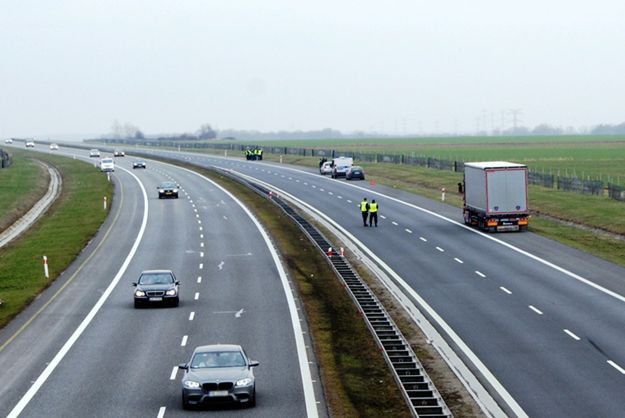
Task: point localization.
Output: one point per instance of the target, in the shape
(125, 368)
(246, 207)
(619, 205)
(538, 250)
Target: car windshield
(216, 359)
(356, 168)
(107, 161)
(156, 278)
(168, 185)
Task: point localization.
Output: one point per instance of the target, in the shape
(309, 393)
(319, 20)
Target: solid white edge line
(32, 391)
(575, 337)
(173, 374)
(161, 412)
(472, 358)
(538, 311)
(309, 391)
(616, 366)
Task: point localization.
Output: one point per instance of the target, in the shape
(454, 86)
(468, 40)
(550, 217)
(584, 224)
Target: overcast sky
(72, 67)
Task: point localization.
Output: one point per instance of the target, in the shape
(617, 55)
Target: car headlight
(140, 293)
(171, 292)
(190, 384)
(244, 382)
(175, 190)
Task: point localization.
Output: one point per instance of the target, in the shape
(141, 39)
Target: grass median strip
(60, 234)
(356, 379)
(21, 186)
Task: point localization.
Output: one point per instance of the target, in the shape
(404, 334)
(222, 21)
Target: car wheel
(252, 402)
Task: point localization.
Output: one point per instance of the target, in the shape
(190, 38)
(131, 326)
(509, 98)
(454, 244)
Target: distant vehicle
(326, 168)
(355, 172)
(138, 164)
(156, 286)
(340, 166)
(30, 144)
(107, 165)
(119, 153)
(218, 373)
(54, 147)
(495, 196)
(168, 189)
(94, 153)
(8, 141)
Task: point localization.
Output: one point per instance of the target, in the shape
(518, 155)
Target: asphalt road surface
(546, 320)
(124, 361)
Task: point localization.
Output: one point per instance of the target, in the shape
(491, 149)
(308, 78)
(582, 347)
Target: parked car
(168, 189)
(119, 153)
(138, 164)
(107, 165)
(94, 153)
(30, 144)
(355, 172)
(8, 141)
(340, 166)
(156, 286)
(218, 373)
(54, 147)
(326, 168)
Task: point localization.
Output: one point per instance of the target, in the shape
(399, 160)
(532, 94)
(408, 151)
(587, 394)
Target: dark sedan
(156, 286)
(168, 189)
(220, 373)
(355, 172)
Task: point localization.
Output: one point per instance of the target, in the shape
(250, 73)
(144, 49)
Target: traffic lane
(127, 372)
(56, 317)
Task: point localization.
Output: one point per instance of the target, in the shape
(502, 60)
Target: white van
(340, 166)
(107, 165)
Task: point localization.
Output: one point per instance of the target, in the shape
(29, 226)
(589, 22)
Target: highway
(544, 319)
(81, 349)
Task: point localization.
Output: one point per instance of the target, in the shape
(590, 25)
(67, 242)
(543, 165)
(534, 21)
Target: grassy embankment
(60, 235)
(356, 379)
(21, 186)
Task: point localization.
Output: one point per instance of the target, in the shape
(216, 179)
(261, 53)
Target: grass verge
(21, 186)
(60, 234)
(356, 379)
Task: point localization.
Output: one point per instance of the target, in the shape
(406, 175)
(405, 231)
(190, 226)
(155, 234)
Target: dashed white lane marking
(570, 334)
(290, 178)
(225, 217)
(480, 273)
(616, 366)
(314, 187)
(194, 210)
(199, 221)
(296, 181)
(382, 216)
(394, 223)
(321, 189)
(191, 316)
(199, 279)
(349, 201)
(505, 290)
(423, 239)
(184, 340)
(408, 230)
(202, 244)
(174, 372)
(161, 412)
(197, 215)
(440, 249)
(201, 229)
(305, 184)
(459, 260)
(201, 266)
(538, 311)
(201, 236)
(197, 295)
(221, 265)
(201, 254)
(330, 193)
(339, 197)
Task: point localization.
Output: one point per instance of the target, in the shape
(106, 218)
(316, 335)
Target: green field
(60, 235)
(21, 185)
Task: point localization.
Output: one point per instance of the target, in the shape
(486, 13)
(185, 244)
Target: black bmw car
(156, 287)
(355, 172)
(138, 164)
(168, 189)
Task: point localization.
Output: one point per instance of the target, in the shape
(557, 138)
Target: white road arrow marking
(221, 265)
(239, 313)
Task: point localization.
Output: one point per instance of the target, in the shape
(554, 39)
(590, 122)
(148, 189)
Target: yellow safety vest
(373, 207)
(363, 206)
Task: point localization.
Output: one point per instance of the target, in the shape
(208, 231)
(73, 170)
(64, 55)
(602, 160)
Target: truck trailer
(495, 196)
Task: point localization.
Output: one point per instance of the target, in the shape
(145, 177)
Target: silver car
(220, 373)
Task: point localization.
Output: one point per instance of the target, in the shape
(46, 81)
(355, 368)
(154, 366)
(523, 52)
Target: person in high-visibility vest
(364, 210)
(373, 213)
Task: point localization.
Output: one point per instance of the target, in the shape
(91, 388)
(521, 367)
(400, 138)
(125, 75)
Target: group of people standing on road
(254, 154)
(370, 211)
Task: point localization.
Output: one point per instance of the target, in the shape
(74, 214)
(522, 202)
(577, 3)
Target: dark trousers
(373, 218)
(364, 218)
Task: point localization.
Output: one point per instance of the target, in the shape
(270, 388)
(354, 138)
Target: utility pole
(514, 114)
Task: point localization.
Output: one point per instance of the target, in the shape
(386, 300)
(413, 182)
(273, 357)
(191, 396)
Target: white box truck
(495, 196)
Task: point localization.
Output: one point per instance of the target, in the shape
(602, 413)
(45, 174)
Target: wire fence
(567, 183)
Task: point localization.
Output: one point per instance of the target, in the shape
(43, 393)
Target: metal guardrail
(417, 388)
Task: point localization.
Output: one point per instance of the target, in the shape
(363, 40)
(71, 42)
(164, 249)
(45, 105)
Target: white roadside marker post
(105, 202)
(45, 267)
(443, 194)
(281, 159)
